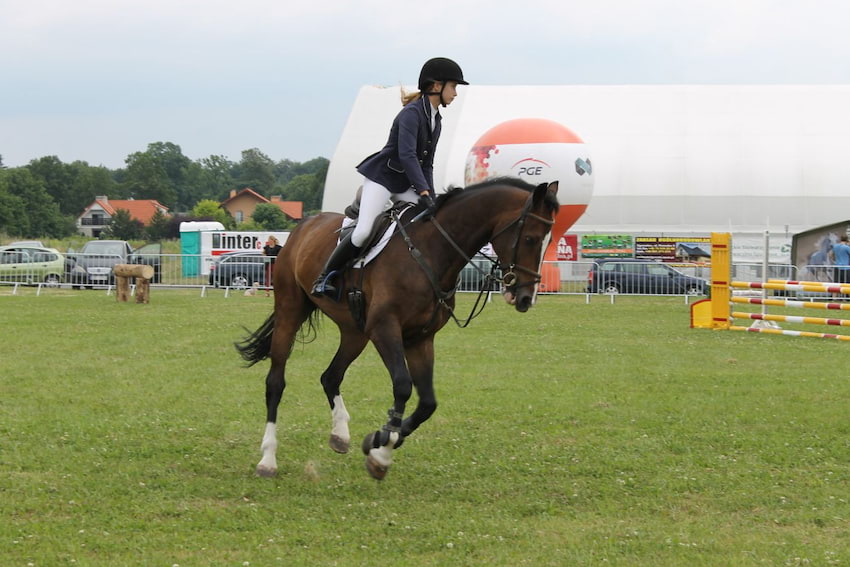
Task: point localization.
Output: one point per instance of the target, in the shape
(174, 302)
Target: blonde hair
(407, 98)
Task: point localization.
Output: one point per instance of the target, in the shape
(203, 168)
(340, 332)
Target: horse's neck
(469, 225)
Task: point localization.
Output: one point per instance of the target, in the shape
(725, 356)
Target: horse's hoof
(376, 469)
(339, 444)
(367, 445)
(265, 472)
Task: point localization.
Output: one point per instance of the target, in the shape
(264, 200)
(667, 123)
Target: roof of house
(140, 209)
(693, 250)
(292, 209)
(244, 192)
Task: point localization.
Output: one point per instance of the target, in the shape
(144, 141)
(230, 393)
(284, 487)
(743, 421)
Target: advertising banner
(607, 246)
(220, 242)
(567, 248)
(685, 249)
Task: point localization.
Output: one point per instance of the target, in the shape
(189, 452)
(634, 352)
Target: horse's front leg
(350, 347)
(378, 446)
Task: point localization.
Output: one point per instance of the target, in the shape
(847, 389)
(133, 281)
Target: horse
(406, 295)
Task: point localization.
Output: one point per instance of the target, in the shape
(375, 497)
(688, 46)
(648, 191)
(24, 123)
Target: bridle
(508, 277)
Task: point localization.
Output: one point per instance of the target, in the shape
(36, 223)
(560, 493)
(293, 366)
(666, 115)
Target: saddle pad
(381, 243)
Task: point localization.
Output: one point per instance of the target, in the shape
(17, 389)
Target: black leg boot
(343, 252)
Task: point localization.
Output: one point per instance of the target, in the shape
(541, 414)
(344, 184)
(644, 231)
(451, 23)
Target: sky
(97, 80)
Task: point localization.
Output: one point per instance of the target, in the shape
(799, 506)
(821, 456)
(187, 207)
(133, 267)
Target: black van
(625, 275)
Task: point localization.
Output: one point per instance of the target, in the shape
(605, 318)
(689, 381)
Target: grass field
(571, 435)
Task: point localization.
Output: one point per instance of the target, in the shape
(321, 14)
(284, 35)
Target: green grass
(571, 435)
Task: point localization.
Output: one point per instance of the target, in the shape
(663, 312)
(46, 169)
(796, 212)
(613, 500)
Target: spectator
(840, 254)
(271, 248)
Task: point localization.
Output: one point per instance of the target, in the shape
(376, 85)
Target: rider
(404, 169)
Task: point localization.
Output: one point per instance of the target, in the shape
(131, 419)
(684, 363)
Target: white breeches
(374, 199)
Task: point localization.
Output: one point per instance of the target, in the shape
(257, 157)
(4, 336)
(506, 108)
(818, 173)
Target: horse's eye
(530, 240)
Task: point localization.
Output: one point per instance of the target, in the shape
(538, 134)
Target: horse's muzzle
(521, 302)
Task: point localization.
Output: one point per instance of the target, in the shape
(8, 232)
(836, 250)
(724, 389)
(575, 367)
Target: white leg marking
(384, 455)
(340, 418)
(269, 448)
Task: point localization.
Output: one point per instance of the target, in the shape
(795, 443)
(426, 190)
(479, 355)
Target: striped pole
(791, 303)
(811, 286)
(791, 333)
(791, 319)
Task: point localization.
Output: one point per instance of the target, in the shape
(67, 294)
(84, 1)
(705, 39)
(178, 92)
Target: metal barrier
(240, 271)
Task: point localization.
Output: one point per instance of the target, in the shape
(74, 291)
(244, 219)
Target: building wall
(667, 158)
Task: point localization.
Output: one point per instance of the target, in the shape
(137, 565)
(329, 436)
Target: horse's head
(519, 238)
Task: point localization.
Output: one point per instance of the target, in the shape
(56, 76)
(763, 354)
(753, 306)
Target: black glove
(428, 205)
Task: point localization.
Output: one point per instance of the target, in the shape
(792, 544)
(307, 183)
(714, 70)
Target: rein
(508, 279)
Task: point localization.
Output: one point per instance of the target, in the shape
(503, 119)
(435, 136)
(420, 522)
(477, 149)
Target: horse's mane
(453, 192)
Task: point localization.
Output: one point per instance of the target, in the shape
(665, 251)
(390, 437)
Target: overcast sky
(96, 80)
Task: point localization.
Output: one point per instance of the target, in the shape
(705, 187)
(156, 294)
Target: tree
(209, 209)
(305, 188)
(217, 177)
(124, 227)
(41, 216)
(13, 211)
(89, 182)
(270, 217)
(159, 173)
(256, 171)
(145, 178)
(158, 228)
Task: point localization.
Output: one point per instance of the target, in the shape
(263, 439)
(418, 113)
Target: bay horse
(408, 295)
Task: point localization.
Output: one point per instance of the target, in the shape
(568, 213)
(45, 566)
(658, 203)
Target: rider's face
(449, 92)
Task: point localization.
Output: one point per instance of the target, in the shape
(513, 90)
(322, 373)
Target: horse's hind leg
(350, 347)
(288, 321)
(420, 361)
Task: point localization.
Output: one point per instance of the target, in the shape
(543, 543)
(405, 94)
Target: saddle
(382, 230)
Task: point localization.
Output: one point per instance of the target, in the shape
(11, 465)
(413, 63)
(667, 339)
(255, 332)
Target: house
(241, 205)
(691, 253)
(98, 215)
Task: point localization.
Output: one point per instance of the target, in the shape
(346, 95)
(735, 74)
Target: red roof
(139, 209)
(292, 209)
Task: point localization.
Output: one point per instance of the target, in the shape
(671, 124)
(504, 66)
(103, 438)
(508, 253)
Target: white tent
(668, 159)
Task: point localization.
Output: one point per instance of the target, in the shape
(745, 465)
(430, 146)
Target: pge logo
(530, 167)
(584, 166)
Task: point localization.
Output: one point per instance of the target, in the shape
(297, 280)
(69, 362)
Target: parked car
(31, 264)
(239, 270)
(93, 264)
(624, 275)
(29, 243)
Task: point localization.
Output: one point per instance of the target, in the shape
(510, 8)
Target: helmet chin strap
(442, 102)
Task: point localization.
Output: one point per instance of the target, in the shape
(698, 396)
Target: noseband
(509, 276)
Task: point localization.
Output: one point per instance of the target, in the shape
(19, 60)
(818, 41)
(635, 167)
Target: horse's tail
(257, 345)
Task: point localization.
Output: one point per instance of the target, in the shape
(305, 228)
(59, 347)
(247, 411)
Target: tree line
(44, 198)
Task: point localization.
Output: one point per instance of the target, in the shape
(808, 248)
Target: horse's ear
(541, 190)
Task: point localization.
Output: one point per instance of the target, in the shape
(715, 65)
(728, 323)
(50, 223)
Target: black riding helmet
(440, 69)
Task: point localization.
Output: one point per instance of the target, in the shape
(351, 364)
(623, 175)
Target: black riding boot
(343, 252)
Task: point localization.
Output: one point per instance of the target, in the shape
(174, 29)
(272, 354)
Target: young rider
(404, 169)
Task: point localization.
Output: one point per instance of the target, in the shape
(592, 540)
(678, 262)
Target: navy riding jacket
(407, 159)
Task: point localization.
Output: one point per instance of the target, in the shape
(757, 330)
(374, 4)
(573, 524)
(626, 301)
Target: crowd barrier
(715, 312)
